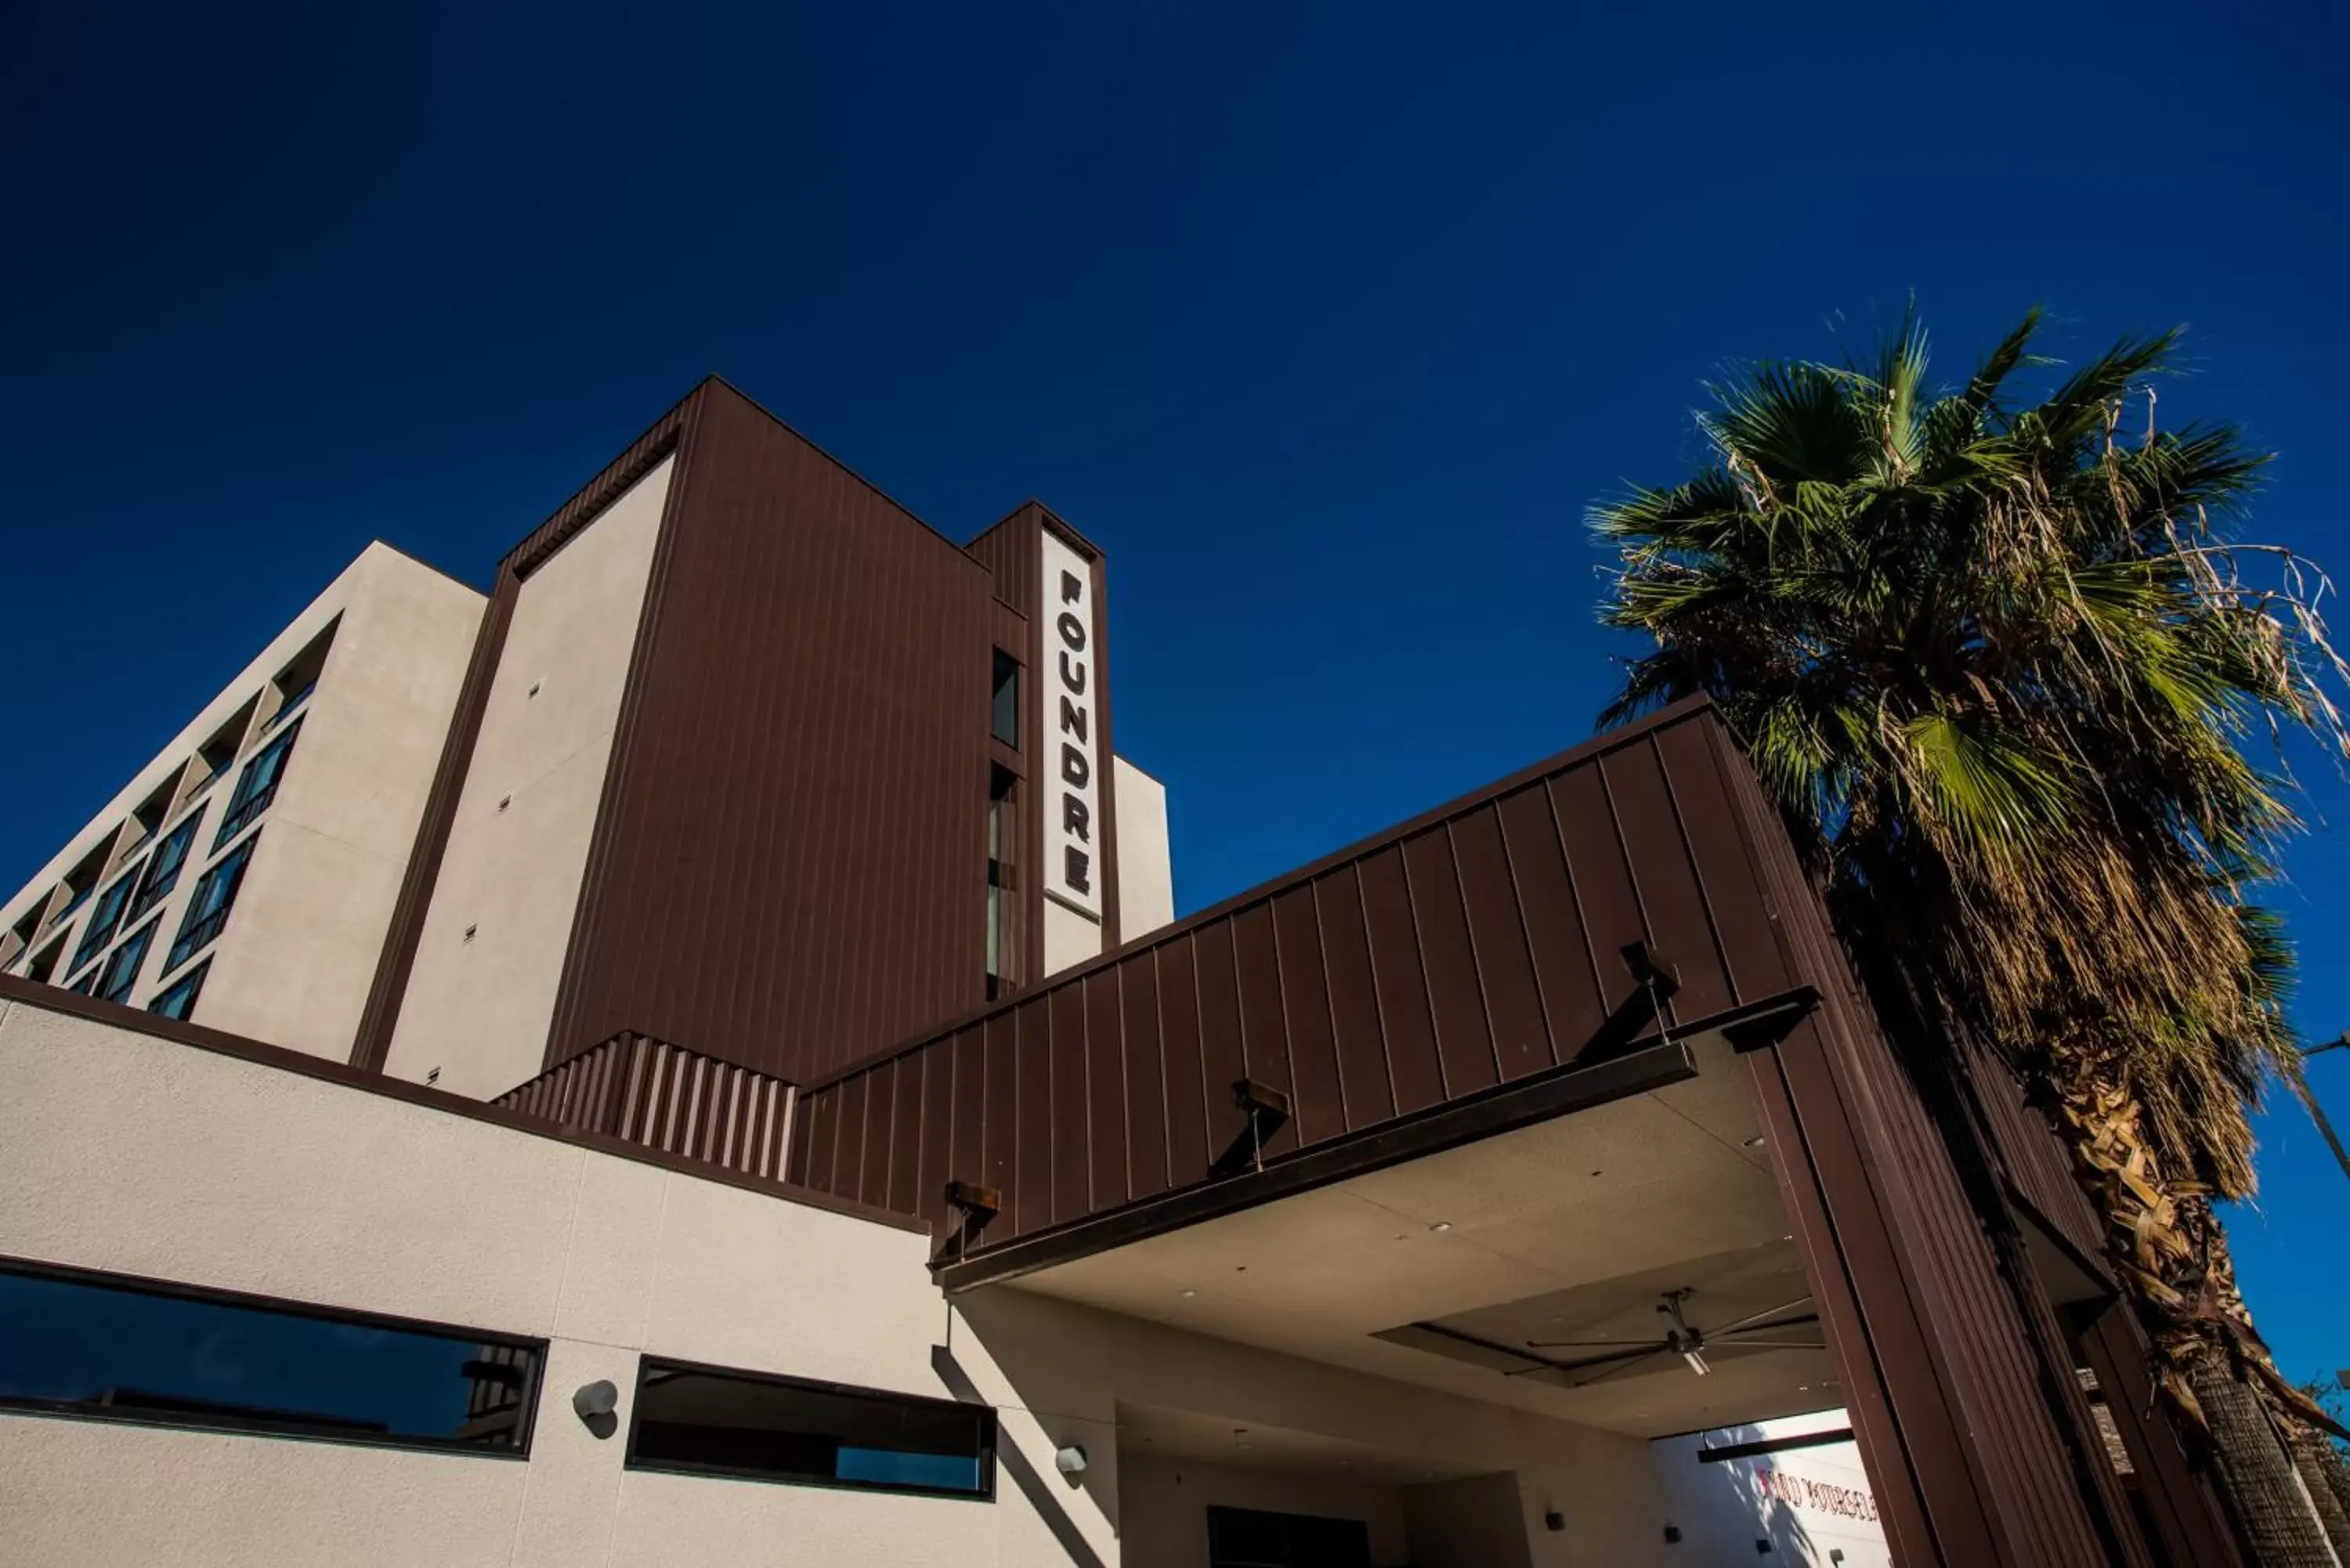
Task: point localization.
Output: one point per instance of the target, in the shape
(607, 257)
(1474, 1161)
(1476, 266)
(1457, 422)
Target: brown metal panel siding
(1034, 1139)
(1602, 881)
(1070, 1129)
(2033, 1157)
(1401, 984)
(1264, 1031)
(998, 1164)
(1013, 556)
(1464, 1041)
(2188, 1515)
(907, 1133)
(935, 1169)
(1185, 1062)
(1497, 935)
(847, 1164)
(1223, 1061)
(1319, 1096)
(1832, 1273)
(1567, 985)
(1665, 878)
(1694, 757)
(803, 1126)
(1145, 1077)
(1943, 1284)
(1354, 1001)
(788, 867)
(1105, 1081)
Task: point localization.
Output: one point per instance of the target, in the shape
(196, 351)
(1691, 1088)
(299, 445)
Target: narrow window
(163, 870)
(44, 964)
(207, 912)
(705, 1421)
(257, 786)
(107, 919)
(121, 969)
(177, 999)
(1006, 715)
(999, 805)
(105, 1347)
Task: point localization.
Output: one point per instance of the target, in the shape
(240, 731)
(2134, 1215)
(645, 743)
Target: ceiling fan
(1683, 1339)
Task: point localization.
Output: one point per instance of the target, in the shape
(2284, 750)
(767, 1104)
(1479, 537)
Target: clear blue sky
(1326, 320)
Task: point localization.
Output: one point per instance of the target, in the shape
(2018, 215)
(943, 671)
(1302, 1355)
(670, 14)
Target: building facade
(763, 1107)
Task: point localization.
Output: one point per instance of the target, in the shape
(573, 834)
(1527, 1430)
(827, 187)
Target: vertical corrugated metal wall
(680, 1101)
(788, 869)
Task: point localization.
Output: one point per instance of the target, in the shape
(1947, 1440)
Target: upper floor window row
(163, 872)
(208, 909)
(257, 786)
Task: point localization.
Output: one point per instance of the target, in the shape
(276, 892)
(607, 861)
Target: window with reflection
(106, 1347)
(208, 909)
(707, 1421)
(107, 919)
(120, 973)
(163, 872)
(257, 786)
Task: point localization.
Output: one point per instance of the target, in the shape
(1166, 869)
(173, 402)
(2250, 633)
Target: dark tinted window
(163, 870)
(208, 909)
(702, 1420)
(120, 973)
(1252, 1538)
(178, 998)
(107, 919)
(1004, 719)
(94, 1345)
(257, 786)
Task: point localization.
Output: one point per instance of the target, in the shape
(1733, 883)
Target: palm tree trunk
(2319, 1468)
(2273, 1506)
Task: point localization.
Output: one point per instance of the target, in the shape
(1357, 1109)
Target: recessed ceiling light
(1802, 1388)
(1787, 1238)
(1442, 1225)
(1189, 1295)
(1755, 1142)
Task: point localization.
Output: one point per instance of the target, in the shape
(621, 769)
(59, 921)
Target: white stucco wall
(121, 1151)
(1808, 1502)
(1146, 873)
(478, 1009)
(294, 963)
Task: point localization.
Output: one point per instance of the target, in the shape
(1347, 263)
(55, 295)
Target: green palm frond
(1999, 662)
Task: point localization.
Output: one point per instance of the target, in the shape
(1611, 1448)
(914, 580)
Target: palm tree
(2001, 665)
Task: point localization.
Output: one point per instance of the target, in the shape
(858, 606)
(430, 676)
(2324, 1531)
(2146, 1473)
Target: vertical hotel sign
(1071, 759)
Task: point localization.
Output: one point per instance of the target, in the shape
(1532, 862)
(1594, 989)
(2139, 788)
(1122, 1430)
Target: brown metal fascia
(1445, 1125)
(1597, 746)
(16, 989)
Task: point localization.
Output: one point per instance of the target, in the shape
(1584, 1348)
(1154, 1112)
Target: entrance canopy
(1554, 1268)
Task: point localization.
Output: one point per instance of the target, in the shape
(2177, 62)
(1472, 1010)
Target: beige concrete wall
(1163, 1508)
(1069, 938)
(1476, 1522)
(299, 954)
(1145, 874)
(478, 1008)
(294, 963)
(123, 1152)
